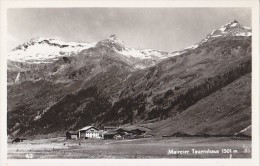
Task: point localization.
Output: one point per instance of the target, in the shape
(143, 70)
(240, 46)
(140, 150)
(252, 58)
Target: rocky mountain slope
(206, 86)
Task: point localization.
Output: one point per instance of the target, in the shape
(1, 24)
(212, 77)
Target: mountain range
(204, 89)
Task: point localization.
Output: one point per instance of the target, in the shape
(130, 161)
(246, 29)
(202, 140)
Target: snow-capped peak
(45, 50)
(119, 46)
(38, 39)
(113, 37)
(231, 29)
(229, 26)
(112, 42)
(232, 24)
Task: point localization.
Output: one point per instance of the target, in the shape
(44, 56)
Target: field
(57, 148)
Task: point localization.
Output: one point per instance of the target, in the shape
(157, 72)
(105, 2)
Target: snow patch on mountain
(44, 50)
(230, 29)
(144, 54)
(192, 47)
(112, 42)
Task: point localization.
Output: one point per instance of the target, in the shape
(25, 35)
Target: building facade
(71, 134)
(89, 132)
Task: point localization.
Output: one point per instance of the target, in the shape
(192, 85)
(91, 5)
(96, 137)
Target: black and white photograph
(129, 83)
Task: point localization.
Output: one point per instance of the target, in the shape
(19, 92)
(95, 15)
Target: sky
(166, 29)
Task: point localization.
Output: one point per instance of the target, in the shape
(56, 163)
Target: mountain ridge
(48, 50)
(101, 86)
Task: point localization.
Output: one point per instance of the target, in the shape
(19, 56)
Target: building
(107, 128)
(128, 136)
(138, 131)
(123, 131)
(18, 140)
(89, 132)
(72, 134)
(109, 134)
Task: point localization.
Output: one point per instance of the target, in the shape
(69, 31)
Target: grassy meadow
(58, 148)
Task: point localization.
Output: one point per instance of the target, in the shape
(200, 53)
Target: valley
(202, 90)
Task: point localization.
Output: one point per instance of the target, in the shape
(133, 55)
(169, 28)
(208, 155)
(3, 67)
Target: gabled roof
(88, 127)
(110, 132)
(123, 130)
(138, 131)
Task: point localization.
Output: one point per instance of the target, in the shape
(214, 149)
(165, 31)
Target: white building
(89, 132)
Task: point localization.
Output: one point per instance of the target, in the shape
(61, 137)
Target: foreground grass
(56, 148)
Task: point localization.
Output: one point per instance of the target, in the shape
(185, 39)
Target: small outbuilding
(18, 140)
(138, 131)
(109, 134)
(72, 134)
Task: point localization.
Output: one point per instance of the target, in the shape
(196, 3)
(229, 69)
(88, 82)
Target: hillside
(202, 89)
(222, 113)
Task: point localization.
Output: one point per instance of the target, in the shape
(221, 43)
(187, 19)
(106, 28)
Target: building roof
(123, 130)
(109, 127)
(87, 127)
(72, 132)
(110, 132)
(138, 131)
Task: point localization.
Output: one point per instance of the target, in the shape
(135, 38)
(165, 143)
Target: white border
(253, 4)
